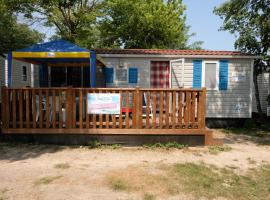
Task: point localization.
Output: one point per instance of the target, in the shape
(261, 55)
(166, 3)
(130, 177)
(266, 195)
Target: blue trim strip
(9, 69)
(93, 69)
(43, 75)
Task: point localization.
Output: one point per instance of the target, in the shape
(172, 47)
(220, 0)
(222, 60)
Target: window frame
(115, 76)
(24, 76)
(217, 73)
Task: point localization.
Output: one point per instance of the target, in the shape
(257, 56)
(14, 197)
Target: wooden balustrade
(66, 108)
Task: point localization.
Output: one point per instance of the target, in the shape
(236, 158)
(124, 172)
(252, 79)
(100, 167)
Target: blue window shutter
(223, 74)
(197, 73)
(132, 75)
(109, 75)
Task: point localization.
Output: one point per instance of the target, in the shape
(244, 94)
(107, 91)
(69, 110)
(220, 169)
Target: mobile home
(227, 76)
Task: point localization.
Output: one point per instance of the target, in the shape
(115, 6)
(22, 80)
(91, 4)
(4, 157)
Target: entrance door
(177, 73)
(160, 74)
(58, 76)
(66, 76)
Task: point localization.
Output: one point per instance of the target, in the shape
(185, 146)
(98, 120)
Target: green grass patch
(96, 144)
(218, 149)
(118, 184)
(201, 180)
(197, 180)
(168, 145)
(149, 197)
(47, 180)
(62, 166)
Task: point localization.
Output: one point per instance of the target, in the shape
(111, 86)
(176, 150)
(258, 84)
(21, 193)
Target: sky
(202, 21)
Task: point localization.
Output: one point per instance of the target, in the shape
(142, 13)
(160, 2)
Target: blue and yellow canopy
(55, 53)
(58, 52)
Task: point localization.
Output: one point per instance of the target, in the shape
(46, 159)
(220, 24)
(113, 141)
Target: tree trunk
(257, 94)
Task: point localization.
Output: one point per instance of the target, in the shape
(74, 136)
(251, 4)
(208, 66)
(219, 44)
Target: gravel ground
(54, 172)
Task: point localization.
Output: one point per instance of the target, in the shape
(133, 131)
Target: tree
(74, 20)
(144, 24)
(250, 21)
(14, 35)
(112, 23)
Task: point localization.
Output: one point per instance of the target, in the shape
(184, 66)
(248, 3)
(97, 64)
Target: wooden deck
(144, 111)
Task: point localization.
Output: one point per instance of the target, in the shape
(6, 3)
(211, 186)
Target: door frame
(182, 71)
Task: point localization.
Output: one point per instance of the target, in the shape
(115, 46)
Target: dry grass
(62, 166)
(2, 194)
(251, 161)
(47, 180)
(218, 149)
(149, 197)
(192, 179)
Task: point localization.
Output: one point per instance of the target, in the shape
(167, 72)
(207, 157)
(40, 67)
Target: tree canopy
(249, 20)
(144, 24)
(14, 35)
(112, 23)
(73, 20)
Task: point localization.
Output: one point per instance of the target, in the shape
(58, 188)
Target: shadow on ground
(20, 151)
(259, 135)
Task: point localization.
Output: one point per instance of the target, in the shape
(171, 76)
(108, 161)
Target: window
(24, 73)
(132, 75)
(121, 74)
(210, 75)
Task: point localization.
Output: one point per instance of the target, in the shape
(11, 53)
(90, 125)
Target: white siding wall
(141, 64)
(17, 80)
(17, 74)
(232, 103)
(36, 76)
(235, 102)
(2, 73)
(263, 83)
(17, 71)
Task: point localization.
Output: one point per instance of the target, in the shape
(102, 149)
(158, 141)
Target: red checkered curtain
(160, 74)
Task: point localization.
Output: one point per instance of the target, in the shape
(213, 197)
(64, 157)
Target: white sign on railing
(103, 103)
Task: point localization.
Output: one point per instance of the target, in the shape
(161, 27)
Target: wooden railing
(66, 108)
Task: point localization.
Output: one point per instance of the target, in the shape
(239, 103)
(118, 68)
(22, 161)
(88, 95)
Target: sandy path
(22, 167)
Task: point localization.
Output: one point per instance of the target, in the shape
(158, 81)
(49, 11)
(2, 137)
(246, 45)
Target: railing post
(202, 108)
(137, 110)
(134, 109)
(69, 108)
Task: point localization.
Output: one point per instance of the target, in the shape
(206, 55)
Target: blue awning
(54, 52)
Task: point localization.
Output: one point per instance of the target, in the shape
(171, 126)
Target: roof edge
(174, 56)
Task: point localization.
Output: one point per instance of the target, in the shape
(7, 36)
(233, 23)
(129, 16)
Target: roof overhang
(175, 56)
